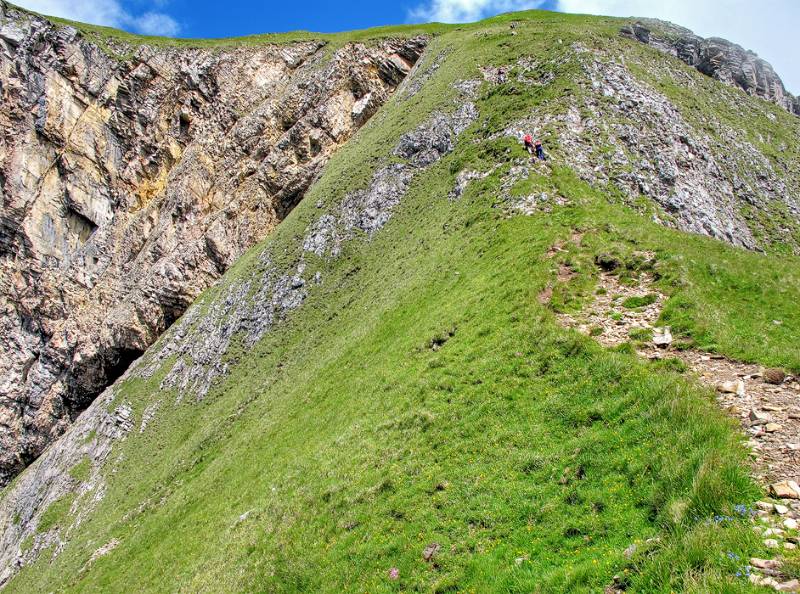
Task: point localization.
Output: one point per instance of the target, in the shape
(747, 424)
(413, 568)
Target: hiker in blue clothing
(540, 151)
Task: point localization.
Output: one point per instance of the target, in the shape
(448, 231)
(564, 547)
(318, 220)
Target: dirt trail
(768, 412)
(766, 402)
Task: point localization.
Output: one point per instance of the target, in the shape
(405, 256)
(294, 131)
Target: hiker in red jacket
(528, 140)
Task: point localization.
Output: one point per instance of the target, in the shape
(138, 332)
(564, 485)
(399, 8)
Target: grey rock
(702, 183)
(662, 337)
(431, 551)
(370, 209)
(463, 180)
(718, 58)
(47, 479)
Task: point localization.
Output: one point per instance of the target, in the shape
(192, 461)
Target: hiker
(540, 151)
(528, 140)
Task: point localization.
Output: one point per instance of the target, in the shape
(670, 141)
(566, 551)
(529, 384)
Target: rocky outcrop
(196, 350)
(131, 182)
(718, 58)
(622, 133)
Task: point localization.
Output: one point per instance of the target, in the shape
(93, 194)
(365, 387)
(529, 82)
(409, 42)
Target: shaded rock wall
(131, 184)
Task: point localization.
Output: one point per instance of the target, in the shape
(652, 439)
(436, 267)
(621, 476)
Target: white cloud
(156, 23)
(462, 11)
(105, 12)
(768, 27)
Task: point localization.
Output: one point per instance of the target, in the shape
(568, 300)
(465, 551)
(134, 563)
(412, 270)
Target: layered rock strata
(132, 177)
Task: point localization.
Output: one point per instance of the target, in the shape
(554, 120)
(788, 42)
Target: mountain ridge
(380, 388)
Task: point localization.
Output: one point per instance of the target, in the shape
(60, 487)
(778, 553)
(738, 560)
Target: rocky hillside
(132, 177)
(719, 58)
(383, 395)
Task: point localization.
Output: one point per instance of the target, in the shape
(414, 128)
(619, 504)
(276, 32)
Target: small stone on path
(735, 387)
(784, 490)
(765, 506)
(662, 337)
(765, 563)
(774, 376)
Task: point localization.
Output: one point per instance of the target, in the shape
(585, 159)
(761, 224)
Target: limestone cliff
(132, 177)
(719, 58)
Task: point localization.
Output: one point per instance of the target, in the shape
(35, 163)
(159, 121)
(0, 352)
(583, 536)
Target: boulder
(785, 490)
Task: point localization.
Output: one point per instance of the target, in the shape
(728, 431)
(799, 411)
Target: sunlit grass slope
(422, 394)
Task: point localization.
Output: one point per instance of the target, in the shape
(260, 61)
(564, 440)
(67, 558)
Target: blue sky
(765, 26)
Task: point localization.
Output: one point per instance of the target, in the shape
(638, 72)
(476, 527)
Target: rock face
(621, 130)
(718, 58)
(199, 343)
(130, 183)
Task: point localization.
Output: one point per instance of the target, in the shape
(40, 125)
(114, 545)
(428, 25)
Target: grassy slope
(354, 445)
(110, 38)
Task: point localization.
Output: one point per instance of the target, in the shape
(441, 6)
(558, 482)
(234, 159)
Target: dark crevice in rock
(79, 224)
(92, 376)
(119, 365)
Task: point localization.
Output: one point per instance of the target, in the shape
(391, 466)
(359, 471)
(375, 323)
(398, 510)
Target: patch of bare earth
(607, 320)
(766, 402)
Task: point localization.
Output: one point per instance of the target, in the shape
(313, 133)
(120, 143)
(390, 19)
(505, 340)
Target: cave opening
(184, 123)
(95, 374)
(119, 364)
(80, 225)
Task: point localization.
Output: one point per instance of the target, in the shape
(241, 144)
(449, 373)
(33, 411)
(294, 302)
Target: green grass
(792, 565)
(422, 394)
(57, 514)
(641, 334)
(643, 301)
(80, 472)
